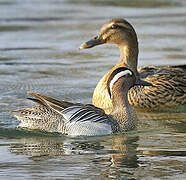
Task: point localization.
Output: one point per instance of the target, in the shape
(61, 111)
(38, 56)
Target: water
(39, 52)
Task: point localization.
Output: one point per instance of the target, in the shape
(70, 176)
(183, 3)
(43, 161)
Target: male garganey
(77, 119)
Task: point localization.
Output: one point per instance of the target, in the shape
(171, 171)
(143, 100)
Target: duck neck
(120, 101)
(123, 113)
(129, 56)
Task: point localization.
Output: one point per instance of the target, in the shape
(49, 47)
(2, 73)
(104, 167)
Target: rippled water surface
(39, 52)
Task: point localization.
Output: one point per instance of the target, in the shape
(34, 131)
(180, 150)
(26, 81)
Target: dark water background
(39, 42)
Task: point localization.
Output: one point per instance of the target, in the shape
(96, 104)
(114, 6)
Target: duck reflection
(116, 150)
(38, 148)
(123, 160)
(126, 148)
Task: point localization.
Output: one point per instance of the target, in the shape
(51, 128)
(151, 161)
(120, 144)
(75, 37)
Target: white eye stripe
(117, 76)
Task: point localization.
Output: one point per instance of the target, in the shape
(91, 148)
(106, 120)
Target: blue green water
(39, 52)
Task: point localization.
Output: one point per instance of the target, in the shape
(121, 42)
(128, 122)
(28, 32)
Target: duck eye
(96, 37)
(114, 26)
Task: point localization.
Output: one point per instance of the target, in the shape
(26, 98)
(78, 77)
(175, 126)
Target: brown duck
(169, 82)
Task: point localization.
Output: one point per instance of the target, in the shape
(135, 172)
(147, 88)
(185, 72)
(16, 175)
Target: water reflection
(126, 148)
(176, 117)
(38, 148)
(111, 153)
(122, 150)
(116, 156)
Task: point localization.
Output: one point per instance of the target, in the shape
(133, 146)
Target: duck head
(121, 80)
(117, 31)
(121, 33)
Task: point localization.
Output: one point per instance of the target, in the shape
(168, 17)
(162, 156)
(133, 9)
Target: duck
(76, 119)
(168, 90)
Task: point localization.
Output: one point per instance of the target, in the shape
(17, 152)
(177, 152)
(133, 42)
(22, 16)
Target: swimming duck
(77, 119)
(169, 82)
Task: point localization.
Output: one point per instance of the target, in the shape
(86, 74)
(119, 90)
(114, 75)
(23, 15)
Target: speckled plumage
(168, 90)
(74, 119)
(169, 82)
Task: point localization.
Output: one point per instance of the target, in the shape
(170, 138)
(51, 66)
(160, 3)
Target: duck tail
(40, 118)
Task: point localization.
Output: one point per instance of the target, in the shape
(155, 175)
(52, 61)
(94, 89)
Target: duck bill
(140, 82)
(91, 43)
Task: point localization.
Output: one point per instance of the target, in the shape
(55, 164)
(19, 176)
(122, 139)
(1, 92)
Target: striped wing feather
(73, 112)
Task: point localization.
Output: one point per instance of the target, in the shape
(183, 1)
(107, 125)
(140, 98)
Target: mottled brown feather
(169, 82)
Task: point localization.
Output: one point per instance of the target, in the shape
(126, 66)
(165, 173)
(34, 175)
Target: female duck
(169, 82)
(77, 119)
